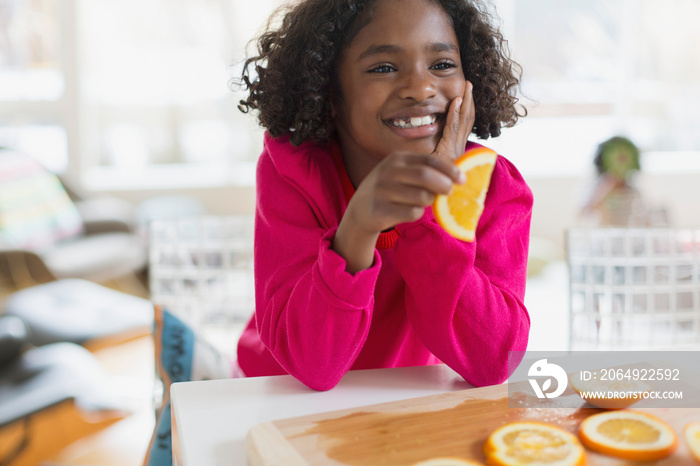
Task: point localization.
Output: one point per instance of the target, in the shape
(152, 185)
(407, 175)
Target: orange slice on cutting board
(448, 461)
(628, 434)
(692, 439)
(609, 394)
(533, 443)
(459, 211)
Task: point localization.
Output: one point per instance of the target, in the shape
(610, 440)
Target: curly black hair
(291, 79)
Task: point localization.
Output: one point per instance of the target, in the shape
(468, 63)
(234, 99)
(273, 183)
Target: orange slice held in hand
(692, 439)
(628, 434)
(459, 211)
(533, 443)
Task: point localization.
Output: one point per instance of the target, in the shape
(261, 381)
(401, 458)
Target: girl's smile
(421, 125)
(395, 82)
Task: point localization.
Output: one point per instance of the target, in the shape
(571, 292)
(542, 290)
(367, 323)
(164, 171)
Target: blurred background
(132, 98)
(131, 102)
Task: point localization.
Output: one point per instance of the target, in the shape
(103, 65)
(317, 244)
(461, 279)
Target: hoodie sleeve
(465, 299)
(311, 314)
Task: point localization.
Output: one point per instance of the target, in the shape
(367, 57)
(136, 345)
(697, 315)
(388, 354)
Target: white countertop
(213, 417)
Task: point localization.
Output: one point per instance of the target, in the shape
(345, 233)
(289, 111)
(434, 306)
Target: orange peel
(691, 432)
(459, 211)
(525, 443)
(628, 434)
(448, 461)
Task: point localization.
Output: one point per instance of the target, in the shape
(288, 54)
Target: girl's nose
(418, 85)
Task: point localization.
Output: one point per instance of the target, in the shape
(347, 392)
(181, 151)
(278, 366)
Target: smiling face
(396, 80)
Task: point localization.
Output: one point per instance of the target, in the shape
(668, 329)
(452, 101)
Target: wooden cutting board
(405, 432)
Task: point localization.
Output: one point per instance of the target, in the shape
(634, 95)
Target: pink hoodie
(428, 298)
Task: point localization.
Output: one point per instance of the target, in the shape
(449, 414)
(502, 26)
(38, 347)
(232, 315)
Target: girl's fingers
(410, 196)
(450, 135)
(401, 186)
(427, 178)
(431, 172)
(404, 184)
(467, 114)
(458, 125)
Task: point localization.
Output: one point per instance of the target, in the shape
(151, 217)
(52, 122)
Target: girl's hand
(397, 190)
(459, 125)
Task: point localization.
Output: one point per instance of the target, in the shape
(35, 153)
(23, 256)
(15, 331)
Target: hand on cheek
(459, 124)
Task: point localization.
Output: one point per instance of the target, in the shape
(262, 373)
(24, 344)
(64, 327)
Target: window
(32, 86)
(600, 68)
(133, 92)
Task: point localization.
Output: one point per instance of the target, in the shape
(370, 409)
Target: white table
(211, 418)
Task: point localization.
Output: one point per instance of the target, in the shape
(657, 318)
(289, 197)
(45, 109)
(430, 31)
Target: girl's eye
(382, 69)
(444, 66)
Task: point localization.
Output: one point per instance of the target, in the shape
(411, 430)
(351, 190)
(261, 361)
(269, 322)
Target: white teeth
(414, 122)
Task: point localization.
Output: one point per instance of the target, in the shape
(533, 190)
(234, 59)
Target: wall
(216, 201)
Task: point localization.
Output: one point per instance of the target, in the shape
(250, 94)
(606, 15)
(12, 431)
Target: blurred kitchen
(119, 124)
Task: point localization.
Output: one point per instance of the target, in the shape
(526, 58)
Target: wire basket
(201, 268)
(633, 288)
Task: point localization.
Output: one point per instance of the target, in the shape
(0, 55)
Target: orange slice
(459, 211)
(692, 439)
(628, 434)
(533, 443)
(447, 461)
(609, 394)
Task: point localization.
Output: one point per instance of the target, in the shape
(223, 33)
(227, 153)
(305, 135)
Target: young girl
(366, 104)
